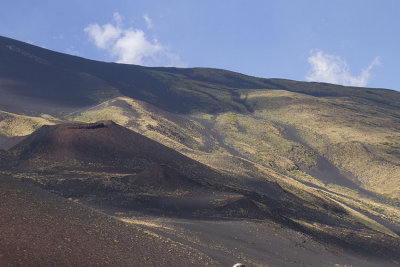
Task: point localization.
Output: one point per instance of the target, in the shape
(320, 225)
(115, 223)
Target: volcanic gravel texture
(38, 228)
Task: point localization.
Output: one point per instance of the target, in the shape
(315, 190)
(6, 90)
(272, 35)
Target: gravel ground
(38, 228)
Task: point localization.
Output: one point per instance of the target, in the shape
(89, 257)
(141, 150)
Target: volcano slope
(107, 160)
(211, 110)
(118, 171)
(321, 155)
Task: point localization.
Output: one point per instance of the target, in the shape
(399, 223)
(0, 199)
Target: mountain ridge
(144, 81)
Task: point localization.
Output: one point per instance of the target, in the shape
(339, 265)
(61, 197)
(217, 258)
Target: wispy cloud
(129, 45)
(148, 20)
(72, 51)
(58, 37)
(118, 18)
(334, 69)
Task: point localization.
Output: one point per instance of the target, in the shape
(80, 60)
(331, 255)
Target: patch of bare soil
(38, 228)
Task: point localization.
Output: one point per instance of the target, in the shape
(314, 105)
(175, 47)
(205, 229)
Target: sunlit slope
(358, 136)
(20, 125)
(216, 140)
(14, 126)
(179, 132)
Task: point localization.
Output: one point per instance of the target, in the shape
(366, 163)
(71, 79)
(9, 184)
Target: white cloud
(130, 45)
(149, 23)
(103, 36)
(334, 69)
(133, 47)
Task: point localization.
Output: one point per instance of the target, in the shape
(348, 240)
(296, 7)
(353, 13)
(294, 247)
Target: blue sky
(352, 42)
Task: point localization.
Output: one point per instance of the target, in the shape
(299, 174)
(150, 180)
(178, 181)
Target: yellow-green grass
(20, 125)
(357, 137)
(261, 140)
(147, 120)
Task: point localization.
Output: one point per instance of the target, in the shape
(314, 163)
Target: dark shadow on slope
(325, 171)
(163, 177)
(8, 142)
(3, 140)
